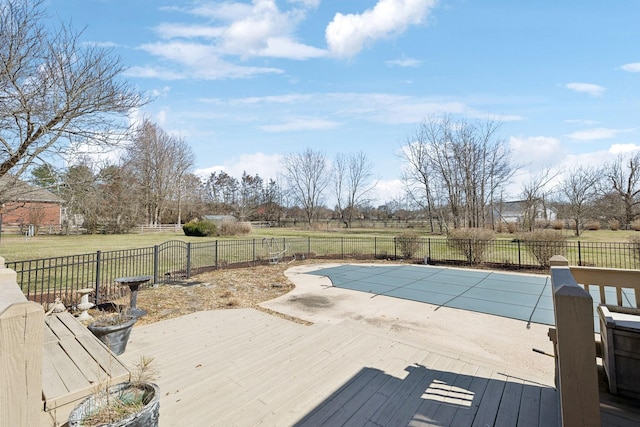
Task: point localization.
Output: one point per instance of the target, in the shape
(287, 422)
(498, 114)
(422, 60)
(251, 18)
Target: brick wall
(41, 213)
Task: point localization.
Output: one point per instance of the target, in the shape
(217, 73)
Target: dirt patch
(224, 289)
(311, 301)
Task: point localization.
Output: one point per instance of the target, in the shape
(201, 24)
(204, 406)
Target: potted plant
(132, 404)
(113, 329)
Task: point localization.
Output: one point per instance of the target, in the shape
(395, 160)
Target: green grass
(16, 247)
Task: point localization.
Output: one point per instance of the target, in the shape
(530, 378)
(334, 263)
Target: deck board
(74, 362)
(257, 369)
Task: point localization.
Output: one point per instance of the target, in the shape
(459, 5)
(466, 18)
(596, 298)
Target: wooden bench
(75, 362)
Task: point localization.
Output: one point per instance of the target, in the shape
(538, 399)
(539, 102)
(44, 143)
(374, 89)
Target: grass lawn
(16, 248)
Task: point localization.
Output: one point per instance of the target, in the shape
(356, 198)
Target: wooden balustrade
(576, 370)
(21, 340)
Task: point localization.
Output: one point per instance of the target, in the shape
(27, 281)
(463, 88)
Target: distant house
(23, 204)
(514, 211)
(219, 219)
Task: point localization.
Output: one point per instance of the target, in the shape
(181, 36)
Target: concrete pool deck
(494, 341)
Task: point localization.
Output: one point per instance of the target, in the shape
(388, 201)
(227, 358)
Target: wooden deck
(74, 362)
(244, 367)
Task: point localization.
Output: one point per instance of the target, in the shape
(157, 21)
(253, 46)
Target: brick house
(24, 205)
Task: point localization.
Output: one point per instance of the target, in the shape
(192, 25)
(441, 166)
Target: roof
(14, 190)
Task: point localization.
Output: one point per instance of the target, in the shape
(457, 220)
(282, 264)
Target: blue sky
(245, 82)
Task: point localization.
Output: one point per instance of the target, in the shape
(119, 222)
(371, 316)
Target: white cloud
(588, 88)
(537, 151)
(596, 133)
(265, 165)
(348, 34)
(301, 124)
(403, 62)
(387, 190)
(582, 122)
(195, 61)
(233, 29)
(632, 68)
(623, 148)
(283, 47)
(169, 31)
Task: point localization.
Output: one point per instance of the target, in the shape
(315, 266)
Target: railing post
(576, 369)
(188, 260)
(156, 263)
(375, 247)
(216, 256)
(22, 344)
(254, 250)
(395, 248)
(579, 253)
(98, 278)
(519, 255)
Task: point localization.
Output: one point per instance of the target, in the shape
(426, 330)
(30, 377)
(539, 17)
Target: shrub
(511, 227)
(473, 243)
(593, 225)
(543, 244)
(409, 243)
(557, 224)
(199, 228)
(500, 227)
(614, 225)
(635, 246)
(232, 228)
(635, 224)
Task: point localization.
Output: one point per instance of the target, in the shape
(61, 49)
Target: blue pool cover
(525, 297)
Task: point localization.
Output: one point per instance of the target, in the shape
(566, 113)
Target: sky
(246, 82)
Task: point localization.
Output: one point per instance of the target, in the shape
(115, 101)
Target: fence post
(156, 263)
(22, 344)
(579, 254)
(216, 256)
(395, 248)
(519, 256)
(342, 247)
(309, 246)
(254, 250)
(188, 260)
(429, 248)
(575, 350)
(375, 247)
(98, 271)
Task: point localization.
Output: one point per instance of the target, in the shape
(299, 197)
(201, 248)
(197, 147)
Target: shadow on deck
(436, 398)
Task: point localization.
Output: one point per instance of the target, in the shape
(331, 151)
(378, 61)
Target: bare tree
(353, 183)
(534, 196)
(221, 192)
(579, 189)
(159, 161)
(467, 162)
(55, 91)
(624, 177)
(307, 178)
(249, 195)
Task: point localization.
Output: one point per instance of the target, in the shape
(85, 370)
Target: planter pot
(114, 336)
(147, 417)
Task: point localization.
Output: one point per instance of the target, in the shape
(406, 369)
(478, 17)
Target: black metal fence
(43, 280)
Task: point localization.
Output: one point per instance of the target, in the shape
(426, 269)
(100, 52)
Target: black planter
(114, 336)
(147, 417)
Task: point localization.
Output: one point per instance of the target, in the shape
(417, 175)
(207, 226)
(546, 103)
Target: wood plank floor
(244, 368)
(74, 362)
